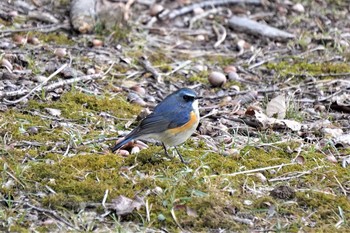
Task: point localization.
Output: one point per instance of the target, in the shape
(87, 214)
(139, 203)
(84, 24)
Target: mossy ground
(44, 161)
(200, 196)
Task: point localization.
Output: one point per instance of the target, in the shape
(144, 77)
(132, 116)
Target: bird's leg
(181, 158)
(166, 152)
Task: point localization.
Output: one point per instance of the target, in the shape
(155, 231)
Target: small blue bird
(172, 121)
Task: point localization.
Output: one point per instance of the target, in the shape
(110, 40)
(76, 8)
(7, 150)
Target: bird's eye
(188, 97)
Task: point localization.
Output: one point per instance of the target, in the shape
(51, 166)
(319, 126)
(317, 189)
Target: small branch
(149, 68)
(242, 220)
(295, 176)
(221, 37)
(211, 3)
(252, 171)
(37, 87)
(52, 213)
(44, 28)
(99, 140)
(184, 64)
(247, 25)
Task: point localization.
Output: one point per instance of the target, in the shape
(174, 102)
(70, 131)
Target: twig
(242, 220)
(186, 63)
(105, 198)
(127, 9)
(72, 80)
(44, 28)
(252, 171)
(37, 87)
(341, 186)
(221, 37)
(175, 219)
(211, 3)
(203, 15)
(99, 140)
(52, 213)
(149, 68)
(77, 79)
(296, 176)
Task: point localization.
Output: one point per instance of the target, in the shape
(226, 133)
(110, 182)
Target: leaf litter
(272, 150)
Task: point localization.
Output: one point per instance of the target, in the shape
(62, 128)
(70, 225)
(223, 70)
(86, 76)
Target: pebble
(139, 90)
(298, 8)
(60, 52)
(33, 130)
(233, 76)
(156, 9)
(135, 150)
(229, 69)
(123, 152)
(97, 43)
(216, 79)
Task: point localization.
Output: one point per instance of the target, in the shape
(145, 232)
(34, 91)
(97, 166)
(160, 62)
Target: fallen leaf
(277, 107)
(53, 112)
(123, 205)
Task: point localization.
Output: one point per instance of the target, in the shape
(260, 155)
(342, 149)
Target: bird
(172, 121)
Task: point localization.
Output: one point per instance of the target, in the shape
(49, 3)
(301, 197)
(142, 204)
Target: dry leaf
(277, 107)
(293, 125)
(344, 140)
(123, 205)
(53, 112)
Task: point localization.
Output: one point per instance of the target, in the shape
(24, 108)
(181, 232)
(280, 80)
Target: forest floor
(271, 153)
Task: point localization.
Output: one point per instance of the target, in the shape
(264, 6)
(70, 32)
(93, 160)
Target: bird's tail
(121, 143)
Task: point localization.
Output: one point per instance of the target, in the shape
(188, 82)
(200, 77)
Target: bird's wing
(155, 123)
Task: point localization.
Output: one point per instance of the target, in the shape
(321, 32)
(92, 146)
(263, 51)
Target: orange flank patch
(193, 121)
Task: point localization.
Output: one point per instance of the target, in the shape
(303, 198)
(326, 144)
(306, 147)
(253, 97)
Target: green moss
(300, 67)
(76, 105)
(201, 77)
(58, 38)
(326, 205)
(220, 60)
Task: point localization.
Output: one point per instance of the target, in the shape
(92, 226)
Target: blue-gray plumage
(172, 121)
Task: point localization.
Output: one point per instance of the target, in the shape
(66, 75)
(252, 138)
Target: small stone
(97, 43)
(300, 160)
(298, 8)
(283, 192)
(247, 202)
(69, 72)
(7, 64)
(135, 150)
(217, 79)
(33, 130)
(198, 11)
(139, 90)
(200, 38)
(60, 52)
(19, 40)
(53, 112)
(90, 71)
(157, 190)
(320, 108)
(156, 9)
(229, 69)
(233, 76)
(33, 40)
(39, 78)
(123, 152)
